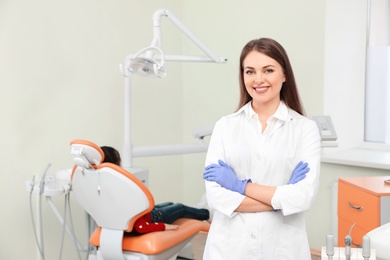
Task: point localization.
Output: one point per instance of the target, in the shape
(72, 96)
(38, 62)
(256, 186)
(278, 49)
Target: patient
(163, 214)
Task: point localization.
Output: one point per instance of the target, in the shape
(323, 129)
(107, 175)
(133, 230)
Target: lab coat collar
(282, 113)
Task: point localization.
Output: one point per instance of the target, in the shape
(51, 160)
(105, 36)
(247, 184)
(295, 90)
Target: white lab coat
(267, 159)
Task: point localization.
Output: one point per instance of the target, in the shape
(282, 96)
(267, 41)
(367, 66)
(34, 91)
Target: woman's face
(263, 78)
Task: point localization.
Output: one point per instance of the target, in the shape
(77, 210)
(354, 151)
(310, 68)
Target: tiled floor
(198, 245)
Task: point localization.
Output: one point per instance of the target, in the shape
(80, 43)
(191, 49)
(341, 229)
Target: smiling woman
(263, 79)
(270, 48)
(254, 164)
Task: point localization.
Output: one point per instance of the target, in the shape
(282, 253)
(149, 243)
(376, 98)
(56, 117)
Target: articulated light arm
(149, 62)
(211, 57)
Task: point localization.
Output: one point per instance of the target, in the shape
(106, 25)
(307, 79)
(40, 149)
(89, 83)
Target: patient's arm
(251, 205)
(171, 227)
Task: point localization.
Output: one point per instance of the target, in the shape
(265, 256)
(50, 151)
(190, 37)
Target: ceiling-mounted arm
(148, 64)
(157, 39)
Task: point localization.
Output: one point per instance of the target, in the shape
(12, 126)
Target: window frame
(344, 85)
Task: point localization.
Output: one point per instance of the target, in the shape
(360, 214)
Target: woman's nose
(259, 78)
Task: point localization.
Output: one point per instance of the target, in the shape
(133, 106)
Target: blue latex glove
(299, 173)
(224, 175)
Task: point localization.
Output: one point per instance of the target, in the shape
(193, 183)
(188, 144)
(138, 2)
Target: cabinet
(363, 201)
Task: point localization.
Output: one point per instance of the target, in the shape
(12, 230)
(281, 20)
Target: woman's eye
(269, 71)
(249, 72)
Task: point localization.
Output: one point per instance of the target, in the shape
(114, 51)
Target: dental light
(146, 65)
(149, 62)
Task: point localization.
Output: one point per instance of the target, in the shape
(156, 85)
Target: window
(377, 95)
(346, 42)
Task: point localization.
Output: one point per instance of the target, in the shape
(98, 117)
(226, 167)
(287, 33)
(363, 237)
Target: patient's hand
(171, 227)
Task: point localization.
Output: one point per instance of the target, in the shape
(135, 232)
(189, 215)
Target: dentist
(262, 164)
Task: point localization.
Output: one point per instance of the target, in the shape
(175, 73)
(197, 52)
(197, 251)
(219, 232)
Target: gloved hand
(299, 173)
(224, 175)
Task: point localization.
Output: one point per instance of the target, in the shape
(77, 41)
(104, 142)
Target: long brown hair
(289, 92)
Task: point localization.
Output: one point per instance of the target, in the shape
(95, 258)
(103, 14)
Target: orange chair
(115, 198)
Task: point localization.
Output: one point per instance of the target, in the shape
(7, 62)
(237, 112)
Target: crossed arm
(252, 205)
(258, 197)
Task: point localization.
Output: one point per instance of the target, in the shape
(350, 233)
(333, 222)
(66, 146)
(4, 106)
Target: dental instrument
(149, 62)
(366, 247)
(48, 186)
(330, 252)
(330, 246)
(348, 243)
(40, 189)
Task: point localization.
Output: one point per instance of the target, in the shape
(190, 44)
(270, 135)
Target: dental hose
(40, 248)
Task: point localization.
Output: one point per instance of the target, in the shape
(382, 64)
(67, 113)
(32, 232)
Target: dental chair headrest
(86, 154)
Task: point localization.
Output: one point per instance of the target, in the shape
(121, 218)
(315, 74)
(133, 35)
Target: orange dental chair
(115, 198)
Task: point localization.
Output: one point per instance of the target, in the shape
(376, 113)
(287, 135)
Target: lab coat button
(253, 236)
(258, 156)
